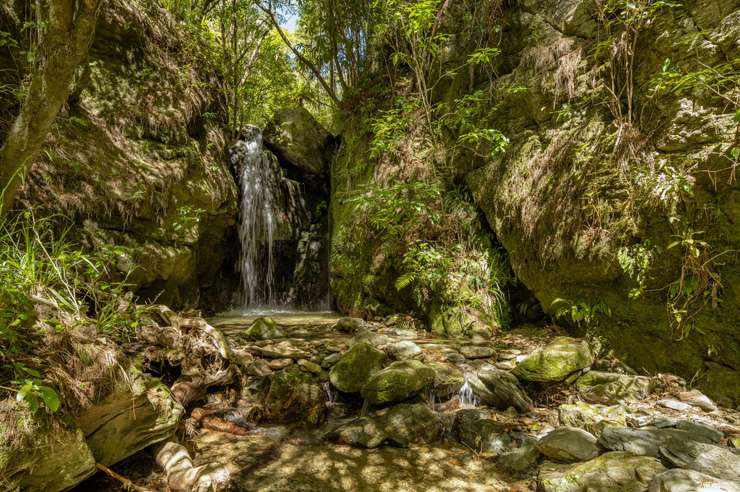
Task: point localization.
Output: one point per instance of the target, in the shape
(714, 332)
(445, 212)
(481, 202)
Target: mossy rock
(397, 382)
(293, 395)
(593, 418)
(615, 471)
(356, 366)
(609, 388)
(53, 456)
(555, 361)
(264, 328)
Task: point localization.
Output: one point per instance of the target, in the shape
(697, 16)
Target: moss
(356, 366)
(397, 382)
(556, 361)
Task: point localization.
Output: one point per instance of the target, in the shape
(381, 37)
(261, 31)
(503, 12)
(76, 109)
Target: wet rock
(519, 461)
(282, 350)
(363, 432)
(141, 413)
(555, 361)
(278, 364)
(609, 387)
(717, 461)
(400, 425)
(411, 423)
(476, 351)
(309, 366)
(591, 417)
(330, 360)
(568, 444)
(367, 336)
(615, 471)
(397, 382)
(293, 396)
(356, 366)
(508, 354)
(690, 481)
(646, 441)
(698, 399)
(675, 405)
(499, 389)
(455, 358)
(264, 328)
(350, 325)
(403, 350)
(259, 368)
(506, 365)
(448, 379)
(479, 433)
(295, 136)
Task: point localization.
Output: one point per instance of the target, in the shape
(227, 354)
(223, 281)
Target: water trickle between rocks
(467, 397)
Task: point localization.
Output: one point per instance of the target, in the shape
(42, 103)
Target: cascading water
(271, 209)
(467, 396)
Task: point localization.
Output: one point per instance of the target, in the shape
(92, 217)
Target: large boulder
(616, 471)
(400, 425)
(138, 414)
(292, 395)
(295, 136)
(555, 361)
(646, 441)
(499, 389)
(354, 368)
(41, 453)
(609, 388)
(568, 444)
(717, 461)
(264, 328)
(481, 434)
(691, 481)
(397, 382)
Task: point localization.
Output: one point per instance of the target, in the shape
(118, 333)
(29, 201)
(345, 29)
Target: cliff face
(615, 199)
(137, 161)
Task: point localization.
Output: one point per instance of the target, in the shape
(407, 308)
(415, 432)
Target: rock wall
(136, 159)
(616, 197)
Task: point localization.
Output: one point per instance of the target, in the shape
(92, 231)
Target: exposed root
(125, 482)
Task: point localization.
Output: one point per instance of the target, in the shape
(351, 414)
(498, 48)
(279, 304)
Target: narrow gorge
(389, 245)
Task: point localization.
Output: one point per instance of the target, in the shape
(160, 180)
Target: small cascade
(271, 209)
(467, 396)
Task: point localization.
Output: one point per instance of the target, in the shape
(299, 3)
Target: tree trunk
(63, 45)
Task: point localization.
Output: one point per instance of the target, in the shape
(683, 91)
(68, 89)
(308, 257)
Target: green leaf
(50, 398)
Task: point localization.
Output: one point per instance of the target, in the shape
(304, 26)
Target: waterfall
(283, 255)
(467, 396)
(262, 209)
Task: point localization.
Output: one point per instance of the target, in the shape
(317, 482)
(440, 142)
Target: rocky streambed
(317, 402)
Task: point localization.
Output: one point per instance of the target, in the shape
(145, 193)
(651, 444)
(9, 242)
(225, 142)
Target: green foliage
(445, 259)
(581, 312)
(635, 261)
(47, 283)
(391, 125)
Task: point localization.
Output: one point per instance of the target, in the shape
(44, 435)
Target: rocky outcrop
(295, 137)
(136, 162)
(141, 413)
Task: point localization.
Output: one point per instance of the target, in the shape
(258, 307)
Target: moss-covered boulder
(138, 414)
(482, 434)
(400, 425)
(397, 382)
(609, 388)
(555, 361)
(354, 368)
(615, 471)
(40, 452)
(499, 389)
(293, 395)
(295, 136)
(264, 328)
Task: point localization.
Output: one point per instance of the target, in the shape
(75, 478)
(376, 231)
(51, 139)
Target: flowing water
(271, 210)
(467, 396)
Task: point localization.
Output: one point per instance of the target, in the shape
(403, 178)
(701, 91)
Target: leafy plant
(635, 261)
(581, 312)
